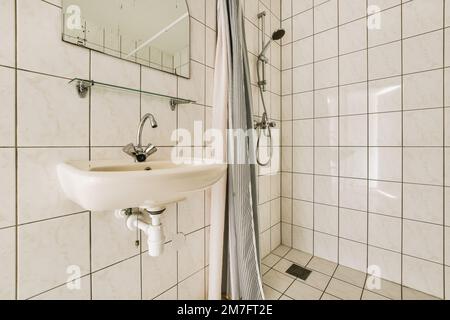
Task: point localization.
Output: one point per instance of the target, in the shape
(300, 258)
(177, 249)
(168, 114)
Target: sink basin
(111, 185)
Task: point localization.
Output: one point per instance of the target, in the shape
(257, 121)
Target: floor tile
(285, 298)
(349, 275)
(301, 291)
(283, 265)
(321, 265)
(317, 280)
(298, 257)
(264, 269)
(281, 251)
(411, 294)
(327, 296)
(387, 289)
(277, 280)
(271, 260)
(271, 294)
(369, 295)
(344, 290)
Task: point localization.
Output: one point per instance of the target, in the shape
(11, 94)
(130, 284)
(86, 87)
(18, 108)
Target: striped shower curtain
(241, 268)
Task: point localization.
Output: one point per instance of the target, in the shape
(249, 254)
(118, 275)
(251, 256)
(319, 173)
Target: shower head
(277, 35)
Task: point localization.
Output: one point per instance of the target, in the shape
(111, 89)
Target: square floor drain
(298, 272)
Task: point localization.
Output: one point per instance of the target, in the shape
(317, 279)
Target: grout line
(445, 293)
(90, 158)
(403, 149)
(16, 160)
(339, 148)
(368, 147)
(313, 127)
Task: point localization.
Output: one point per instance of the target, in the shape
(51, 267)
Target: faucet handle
(130, 150)
(151, 149)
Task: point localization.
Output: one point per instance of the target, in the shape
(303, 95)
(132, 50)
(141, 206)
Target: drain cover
(299, 272)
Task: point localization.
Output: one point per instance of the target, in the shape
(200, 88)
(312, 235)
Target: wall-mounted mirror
(153, 33)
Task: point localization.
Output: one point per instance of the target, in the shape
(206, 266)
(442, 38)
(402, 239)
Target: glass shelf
(83, 87)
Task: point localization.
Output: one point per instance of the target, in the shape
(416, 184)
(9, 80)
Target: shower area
(359, 92)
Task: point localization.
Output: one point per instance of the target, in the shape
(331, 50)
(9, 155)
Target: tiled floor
(328, 281)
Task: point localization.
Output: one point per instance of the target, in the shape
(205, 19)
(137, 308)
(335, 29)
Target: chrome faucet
(139, 152)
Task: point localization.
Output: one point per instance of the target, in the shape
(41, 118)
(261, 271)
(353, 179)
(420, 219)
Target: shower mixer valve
(265, 123)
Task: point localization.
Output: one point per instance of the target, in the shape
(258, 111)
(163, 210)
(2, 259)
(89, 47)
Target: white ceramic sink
(111, 185)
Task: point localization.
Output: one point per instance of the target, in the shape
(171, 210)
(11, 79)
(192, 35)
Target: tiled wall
(44, 122)
(269, 183)
(366, 140)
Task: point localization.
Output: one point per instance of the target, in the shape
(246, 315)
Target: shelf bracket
(82, 87)
(175, 102)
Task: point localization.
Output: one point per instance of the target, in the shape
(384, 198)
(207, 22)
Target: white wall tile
(423, 165)
(353, 194)
(423, 203)
(7, 31)
(348, 126)
(385, 61)
(353, 36)
(326, 161)
(326, 219)
(303, 105)
(302, 214)
(109, 232)
(192, 288)
(190, 257)
(353, 255)
(351, 10)
(423, 275)
(302, 25)
(39, 193)
(63, 59)
(353, 67)
(353, 162)
(326, 246)
(325, 16)
(7, 264)
(66, 294)
(423, 52)
(114, 117)
(158, 273)
(385, 129)
(302, 187)
(423, 90)
(325, 45)
(302, 239)
(389, 30)
(385, 164)
(7, 188)
(353, 225)
(113, 71)
(422, 16)
(353, 99)
(47, 249)
(385, 198)
(326, 103)
(326, 132)
(385, 232)
(7, 108)
(191, 213)
(385, 95)
(326, 190)
(302, 52)
(118, 282)
(388, 262)
(423, 240)
(50, 113)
